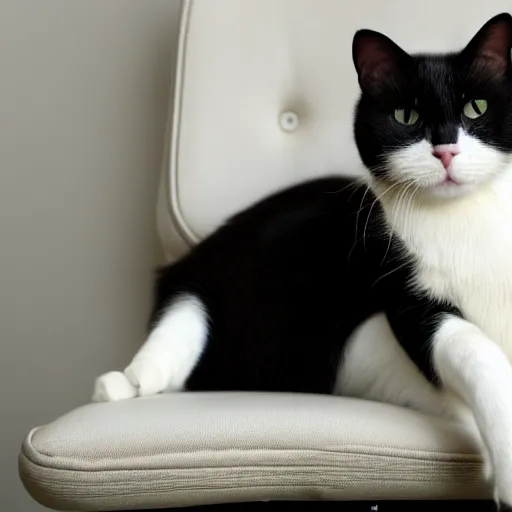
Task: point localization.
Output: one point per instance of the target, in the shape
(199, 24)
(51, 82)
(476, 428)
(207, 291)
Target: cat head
(439, 124)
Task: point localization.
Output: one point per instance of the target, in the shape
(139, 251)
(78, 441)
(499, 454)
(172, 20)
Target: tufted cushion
(246, 67)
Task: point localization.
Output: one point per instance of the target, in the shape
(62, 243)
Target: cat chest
(478, 282)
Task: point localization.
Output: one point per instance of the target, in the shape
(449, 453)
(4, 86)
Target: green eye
(475, 108)
(406, 116)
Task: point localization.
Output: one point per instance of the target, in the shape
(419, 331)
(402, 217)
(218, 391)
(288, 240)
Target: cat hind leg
(166, 359)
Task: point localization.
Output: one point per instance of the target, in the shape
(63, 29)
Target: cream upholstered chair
(263, 98)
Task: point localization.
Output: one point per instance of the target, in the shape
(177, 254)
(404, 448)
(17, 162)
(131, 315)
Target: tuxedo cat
(398, 289)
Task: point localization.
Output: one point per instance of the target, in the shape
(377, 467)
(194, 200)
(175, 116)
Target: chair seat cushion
(203, 448)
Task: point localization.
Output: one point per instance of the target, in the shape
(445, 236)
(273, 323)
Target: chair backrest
(264, 96)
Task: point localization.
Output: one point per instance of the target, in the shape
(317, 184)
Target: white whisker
(378, 198)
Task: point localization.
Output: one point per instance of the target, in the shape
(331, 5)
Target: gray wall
(84, 87)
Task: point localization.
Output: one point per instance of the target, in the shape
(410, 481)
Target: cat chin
(417, 191)
(476, 164)
(449, 190)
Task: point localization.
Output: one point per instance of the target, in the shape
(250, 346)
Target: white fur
(477, 163)
(376, 367)
(473, 366)
(166, 359)
(113, 386)
(461, 239)
(463, 250)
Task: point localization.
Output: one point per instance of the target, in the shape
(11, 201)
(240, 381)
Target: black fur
(280, 289)
(285, 282)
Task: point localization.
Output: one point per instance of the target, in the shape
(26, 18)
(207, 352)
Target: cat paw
(146, 377)
(113, 386)
(503, 496)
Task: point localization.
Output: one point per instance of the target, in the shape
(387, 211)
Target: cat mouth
(448, 181)
(448, 186)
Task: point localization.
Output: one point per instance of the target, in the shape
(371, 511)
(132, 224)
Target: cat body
(398, 289)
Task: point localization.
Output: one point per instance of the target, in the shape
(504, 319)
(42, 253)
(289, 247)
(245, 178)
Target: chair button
(289, 121)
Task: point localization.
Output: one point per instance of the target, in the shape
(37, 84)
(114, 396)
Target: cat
(397, 289)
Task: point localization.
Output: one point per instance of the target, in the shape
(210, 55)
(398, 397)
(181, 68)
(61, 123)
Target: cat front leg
(475, 368)
(462, 360)
(166, 359)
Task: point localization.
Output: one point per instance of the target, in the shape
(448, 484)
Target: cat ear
(377, 59)
(492, 44)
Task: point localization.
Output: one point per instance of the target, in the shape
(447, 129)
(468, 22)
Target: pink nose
(445, 153)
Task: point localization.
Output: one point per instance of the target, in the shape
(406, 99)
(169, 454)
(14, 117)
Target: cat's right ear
(379, 62)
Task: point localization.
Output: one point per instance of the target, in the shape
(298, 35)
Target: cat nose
(445, 153)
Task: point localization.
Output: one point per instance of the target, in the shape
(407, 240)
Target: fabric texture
(199, 448)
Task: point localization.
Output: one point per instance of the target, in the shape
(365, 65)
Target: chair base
(342, 506)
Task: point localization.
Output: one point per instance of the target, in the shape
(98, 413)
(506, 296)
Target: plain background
(84, 89)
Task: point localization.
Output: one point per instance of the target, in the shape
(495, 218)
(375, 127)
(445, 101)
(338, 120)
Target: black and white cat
(398, 290)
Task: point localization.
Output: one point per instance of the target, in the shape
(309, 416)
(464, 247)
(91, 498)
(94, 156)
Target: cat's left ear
(492, 44)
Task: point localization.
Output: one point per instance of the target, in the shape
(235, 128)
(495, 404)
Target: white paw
(146, 376)
(113, 386)
(504, 507)
(503, 492)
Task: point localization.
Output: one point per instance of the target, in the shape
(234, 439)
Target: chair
(263, 98)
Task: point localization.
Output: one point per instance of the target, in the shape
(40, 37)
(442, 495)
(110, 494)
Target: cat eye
(406, 116)
(475, 108)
